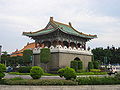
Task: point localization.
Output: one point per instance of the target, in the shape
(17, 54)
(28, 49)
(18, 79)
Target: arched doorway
(77, 59)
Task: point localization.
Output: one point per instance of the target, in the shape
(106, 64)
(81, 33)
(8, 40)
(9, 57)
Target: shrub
(90, 65)
(45, 55)
(1, 75)
(67, 72)
(2, 70)
(96, 64)
(80, 65)
(61, 72)
(74, 65)
(36, 72)
(117, 76)
(25, 69)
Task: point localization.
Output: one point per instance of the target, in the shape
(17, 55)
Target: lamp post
(0, 53)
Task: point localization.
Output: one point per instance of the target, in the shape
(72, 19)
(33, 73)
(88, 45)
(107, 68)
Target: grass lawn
(49, 74)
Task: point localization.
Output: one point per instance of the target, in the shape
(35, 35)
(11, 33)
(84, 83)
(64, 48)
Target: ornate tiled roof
(20, 52)
(57, 25)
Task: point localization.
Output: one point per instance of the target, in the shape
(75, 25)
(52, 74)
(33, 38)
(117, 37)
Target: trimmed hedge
(97, 81)
(76, 65)
(36, 72)
(25, 69)
(67, 72)
(40, 82)
(80, 65)
(45, 55)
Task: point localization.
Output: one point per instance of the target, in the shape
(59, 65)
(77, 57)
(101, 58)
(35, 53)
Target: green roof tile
(63, 27)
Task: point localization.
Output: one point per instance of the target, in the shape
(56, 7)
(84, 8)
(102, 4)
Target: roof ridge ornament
(51, 18)
(70, 24)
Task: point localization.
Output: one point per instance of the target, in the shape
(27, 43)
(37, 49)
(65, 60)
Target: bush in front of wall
(36, 72)
(80, 65)
(2, 70)
(74, 65)
(67, 72)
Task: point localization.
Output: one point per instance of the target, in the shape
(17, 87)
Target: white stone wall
(59, 48)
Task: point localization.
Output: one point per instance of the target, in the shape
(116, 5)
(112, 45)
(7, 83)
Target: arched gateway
(65, 43)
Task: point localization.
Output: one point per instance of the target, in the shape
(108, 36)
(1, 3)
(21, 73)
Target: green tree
(2, 70)
(5, 58)
(107, 55)
(98, 54)
(27, 57)
(45, 56)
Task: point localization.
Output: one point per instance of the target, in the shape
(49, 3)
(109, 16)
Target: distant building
(65, 42)
(30, 46)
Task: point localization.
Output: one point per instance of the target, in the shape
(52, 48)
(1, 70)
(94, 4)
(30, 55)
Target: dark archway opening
(65, 43)
(47, 43)
(72, 44)
(77, 59)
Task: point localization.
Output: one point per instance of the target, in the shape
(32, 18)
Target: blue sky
(100, 17)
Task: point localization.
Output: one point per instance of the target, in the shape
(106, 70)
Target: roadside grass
(92, 73)
(49, 74)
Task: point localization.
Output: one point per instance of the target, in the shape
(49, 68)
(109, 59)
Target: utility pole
(0, 52)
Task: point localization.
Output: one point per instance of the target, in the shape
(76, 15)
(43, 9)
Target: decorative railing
(64, 49)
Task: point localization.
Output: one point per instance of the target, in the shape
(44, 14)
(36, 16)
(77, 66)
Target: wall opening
(77, 59)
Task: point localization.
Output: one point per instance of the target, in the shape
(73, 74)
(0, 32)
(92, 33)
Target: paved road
(47, 77)
(29, 77)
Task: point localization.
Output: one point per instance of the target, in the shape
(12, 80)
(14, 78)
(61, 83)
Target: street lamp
(0, 52)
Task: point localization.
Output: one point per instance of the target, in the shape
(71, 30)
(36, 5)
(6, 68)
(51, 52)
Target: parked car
(9, 69)
(113, 70)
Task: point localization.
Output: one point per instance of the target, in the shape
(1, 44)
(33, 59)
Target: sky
(97, 17)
